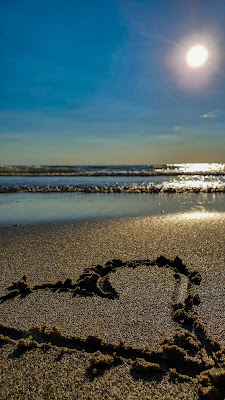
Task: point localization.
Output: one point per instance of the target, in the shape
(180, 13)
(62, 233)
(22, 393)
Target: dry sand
(141, 328)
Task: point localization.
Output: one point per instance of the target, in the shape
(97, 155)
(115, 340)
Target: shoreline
(140, 317)
(135, 189)
(24, 209)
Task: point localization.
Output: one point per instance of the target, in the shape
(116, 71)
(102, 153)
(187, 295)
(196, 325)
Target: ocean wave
(115, 170)
(190, 187)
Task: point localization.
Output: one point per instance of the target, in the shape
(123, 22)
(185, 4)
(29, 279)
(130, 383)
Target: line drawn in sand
(189, 355)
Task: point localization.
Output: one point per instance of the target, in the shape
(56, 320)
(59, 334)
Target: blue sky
(106, 82)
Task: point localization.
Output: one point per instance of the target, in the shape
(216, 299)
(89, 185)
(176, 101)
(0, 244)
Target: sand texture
(114, 309)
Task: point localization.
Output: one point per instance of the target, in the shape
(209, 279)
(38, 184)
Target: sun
(197, 56)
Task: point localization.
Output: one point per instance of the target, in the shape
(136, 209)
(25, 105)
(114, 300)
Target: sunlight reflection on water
(199, 167)
(27, 208)
(200, 215)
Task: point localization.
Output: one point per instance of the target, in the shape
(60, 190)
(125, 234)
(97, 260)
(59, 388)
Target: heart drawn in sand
(190, 354)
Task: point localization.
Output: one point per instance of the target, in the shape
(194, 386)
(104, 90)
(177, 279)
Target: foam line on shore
(133, 188)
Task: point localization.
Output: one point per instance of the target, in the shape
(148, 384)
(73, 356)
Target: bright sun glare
(197, 56)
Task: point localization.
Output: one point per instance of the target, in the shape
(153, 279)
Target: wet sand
(117, 309)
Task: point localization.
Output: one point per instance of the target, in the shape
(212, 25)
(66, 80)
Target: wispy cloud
(211, 114)
(11, 136)
(176, 128)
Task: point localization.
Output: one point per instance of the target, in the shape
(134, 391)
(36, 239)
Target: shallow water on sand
(29, 208)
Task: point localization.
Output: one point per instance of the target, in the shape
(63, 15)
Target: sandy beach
(112, 189)
(126, 308)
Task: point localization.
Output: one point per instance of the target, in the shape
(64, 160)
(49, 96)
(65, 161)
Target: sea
(43, 193)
